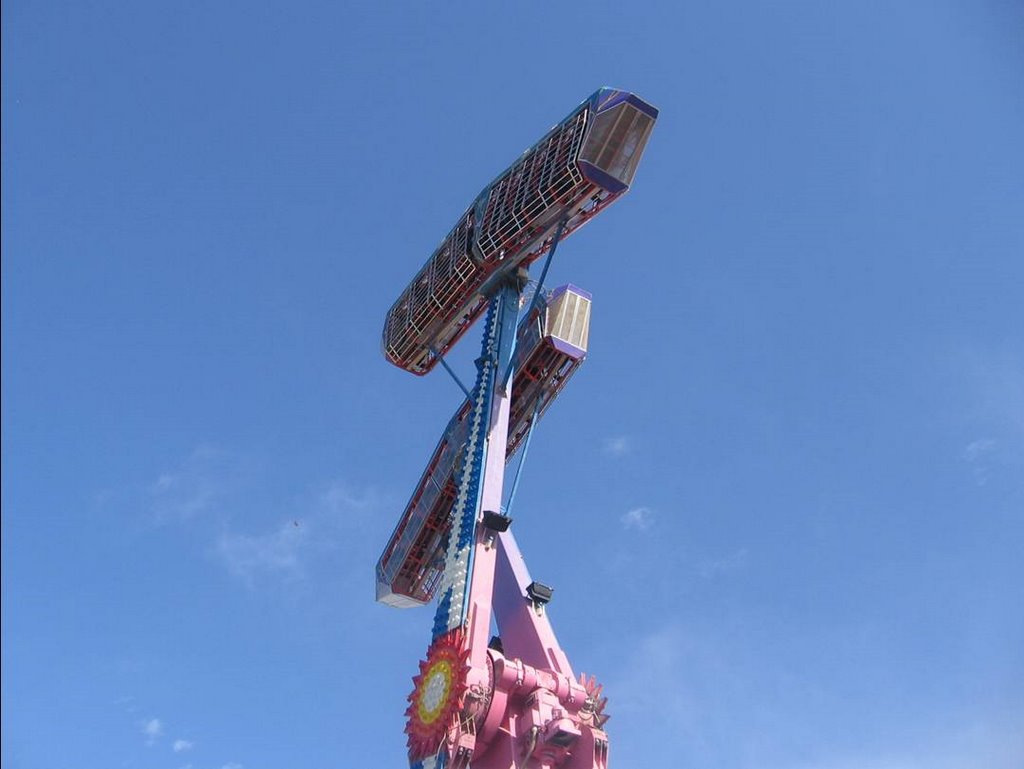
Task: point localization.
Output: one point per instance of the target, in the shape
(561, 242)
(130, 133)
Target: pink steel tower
(512, 701)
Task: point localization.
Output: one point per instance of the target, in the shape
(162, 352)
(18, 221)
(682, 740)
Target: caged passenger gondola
(551, 345)
(578, 169)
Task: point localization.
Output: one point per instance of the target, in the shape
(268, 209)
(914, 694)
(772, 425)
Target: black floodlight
(539, 593)
(496, 521)
(564, 735)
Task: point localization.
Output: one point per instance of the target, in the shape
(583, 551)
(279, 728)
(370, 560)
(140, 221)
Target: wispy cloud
(195, 487)
(645, 678)
(232, 765)
(976, 450)
(639, 518)
(181, 745)
(996, 378)
(332, 521)
(727, 703)
(993, 410)
(339, 499)
(709, 568)
(997, 743)
(279, 552)
(153, 729)
(205, 492)
(617, 446)
(978, 455)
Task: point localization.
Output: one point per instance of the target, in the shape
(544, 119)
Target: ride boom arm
(513, 702)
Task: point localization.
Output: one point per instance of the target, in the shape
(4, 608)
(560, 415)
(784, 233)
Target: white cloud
(976, 450)
(997, 382)
(338, 499)
(729, 700)
(992, 408)
(617, 446)
(639, 518)
(153, 729)
(180, 745)
(709, 568)
(205, 492)
(341, 519)
(194, 488)
(232, 765)
(279, 552)
(998, 743)
(978, 454)
(652, 674)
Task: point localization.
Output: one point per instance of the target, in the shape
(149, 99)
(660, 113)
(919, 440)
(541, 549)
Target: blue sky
(782, 504)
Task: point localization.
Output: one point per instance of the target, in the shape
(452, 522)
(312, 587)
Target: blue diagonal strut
(538, 295)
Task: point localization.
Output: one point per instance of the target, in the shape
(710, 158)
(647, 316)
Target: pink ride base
(522, 707)
(539, 714)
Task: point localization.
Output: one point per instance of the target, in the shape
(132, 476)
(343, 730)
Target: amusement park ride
(511, 701)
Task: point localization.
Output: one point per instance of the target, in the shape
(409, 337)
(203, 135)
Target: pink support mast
(513, 704)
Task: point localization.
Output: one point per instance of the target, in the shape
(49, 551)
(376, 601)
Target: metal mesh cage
(432, 300)
(512, 222)
(543, 179)
(410, 561)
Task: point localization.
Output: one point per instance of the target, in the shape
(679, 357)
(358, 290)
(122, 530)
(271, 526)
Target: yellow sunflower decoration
(437, 694)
